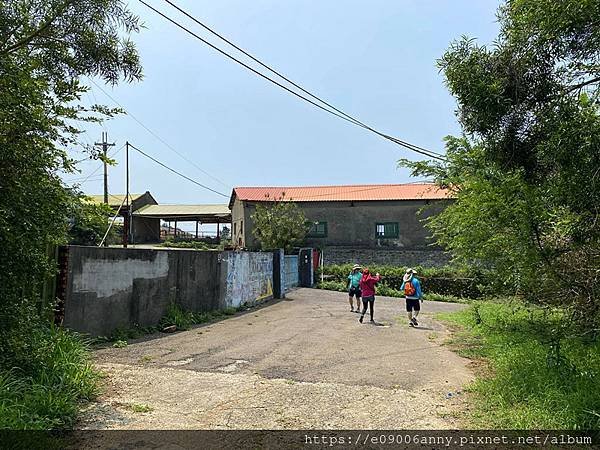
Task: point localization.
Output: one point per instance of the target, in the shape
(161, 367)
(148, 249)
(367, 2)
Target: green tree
(89, 223)
(279, 224)
(526, 172)
(46, 47)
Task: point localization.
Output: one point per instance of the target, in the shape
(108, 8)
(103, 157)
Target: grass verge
(177, 316)
(48, 395)
(524, 382)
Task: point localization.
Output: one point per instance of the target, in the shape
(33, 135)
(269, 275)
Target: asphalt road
(302, 362)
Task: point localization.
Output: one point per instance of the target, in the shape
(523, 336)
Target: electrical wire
(334, 111)
(176, 172)
(159, 138)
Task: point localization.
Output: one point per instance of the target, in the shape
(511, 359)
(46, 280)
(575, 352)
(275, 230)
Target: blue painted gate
(291, 271)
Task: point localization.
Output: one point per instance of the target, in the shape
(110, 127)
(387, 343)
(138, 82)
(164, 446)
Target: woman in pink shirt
(367, 287)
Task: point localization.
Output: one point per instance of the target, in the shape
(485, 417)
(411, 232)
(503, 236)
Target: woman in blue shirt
(354, 288)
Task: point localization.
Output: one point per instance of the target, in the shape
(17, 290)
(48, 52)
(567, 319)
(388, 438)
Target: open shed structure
(141, 229)
(200, 214)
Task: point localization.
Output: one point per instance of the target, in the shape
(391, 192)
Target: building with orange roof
(364, 223)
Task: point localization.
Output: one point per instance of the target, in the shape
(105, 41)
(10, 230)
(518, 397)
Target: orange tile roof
(362, 192)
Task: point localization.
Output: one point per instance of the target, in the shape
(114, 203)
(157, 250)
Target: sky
(374, 59)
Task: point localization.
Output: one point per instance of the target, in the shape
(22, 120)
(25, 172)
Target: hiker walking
(413, 295)
(354, 287)
(367, 286)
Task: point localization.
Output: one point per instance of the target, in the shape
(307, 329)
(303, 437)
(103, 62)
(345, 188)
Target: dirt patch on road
(184, 399)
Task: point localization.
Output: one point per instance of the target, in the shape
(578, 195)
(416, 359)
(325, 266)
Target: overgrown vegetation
(177, 316)
(444, 282)
(529, 378)
(45, 48)
(184, 320)
(280, 223)
(89, 222)
(48, 380)
(525, 172)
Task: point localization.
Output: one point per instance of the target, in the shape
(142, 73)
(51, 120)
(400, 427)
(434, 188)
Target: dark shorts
(370, 298)
(413, 304)
(354, 291)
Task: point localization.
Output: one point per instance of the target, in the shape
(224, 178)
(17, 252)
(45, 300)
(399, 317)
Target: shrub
(456, 282)
(384, 289)
(183, 320)
(332, 286)
(193, 245)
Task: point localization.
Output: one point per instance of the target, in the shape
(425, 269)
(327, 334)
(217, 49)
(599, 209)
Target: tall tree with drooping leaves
(47, 49)
(526, 171)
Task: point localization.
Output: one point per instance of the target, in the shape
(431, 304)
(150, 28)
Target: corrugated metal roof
(114, 200)
(183, 210)
(361, 192)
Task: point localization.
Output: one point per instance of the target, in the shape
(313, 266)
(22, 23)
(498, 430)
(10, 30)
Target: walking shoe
(361, 319)
(414, 321)
(411, 324)
(351, 309)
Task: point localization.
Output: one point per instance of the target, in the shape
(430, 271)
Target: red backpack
(409, 289)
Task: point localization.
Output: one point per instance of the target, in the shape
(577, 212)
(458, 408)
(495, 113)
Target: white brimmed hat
(408, 275)
(356, 266)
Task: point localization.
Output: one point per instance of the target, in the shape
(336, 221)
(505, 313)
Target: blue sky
(374, 59)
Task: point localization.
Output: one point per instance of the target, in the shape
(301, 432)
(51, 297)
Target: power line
(176, 172)
(336, 112)
(159, 138)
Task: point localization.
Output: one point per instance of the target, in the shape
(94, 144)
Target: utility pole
(127, 217)
(105, 146)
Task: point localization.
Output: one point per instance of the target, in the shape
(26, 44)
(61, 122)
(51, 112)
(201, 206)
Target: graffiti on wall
(249, 277)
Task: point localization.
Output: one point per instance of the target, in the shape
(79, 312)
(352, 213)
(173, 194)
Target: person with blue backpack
(413, 295)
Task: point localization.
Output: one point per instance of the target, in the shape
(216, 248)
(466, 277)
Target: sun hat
(408, 275)
(356, 266)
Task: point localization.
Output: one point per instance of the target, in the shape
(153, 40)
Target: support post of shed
(175, 231)
(196, 229)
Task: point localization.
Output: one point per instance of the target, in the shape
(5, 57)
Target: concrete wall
(246, 277)
(405, 258)
(353, 224)
(110, 288)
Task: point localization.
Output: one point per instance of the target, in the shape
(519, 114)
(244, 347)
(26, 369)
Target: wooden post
(218, 237)
(196, 229)
(175, 231)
